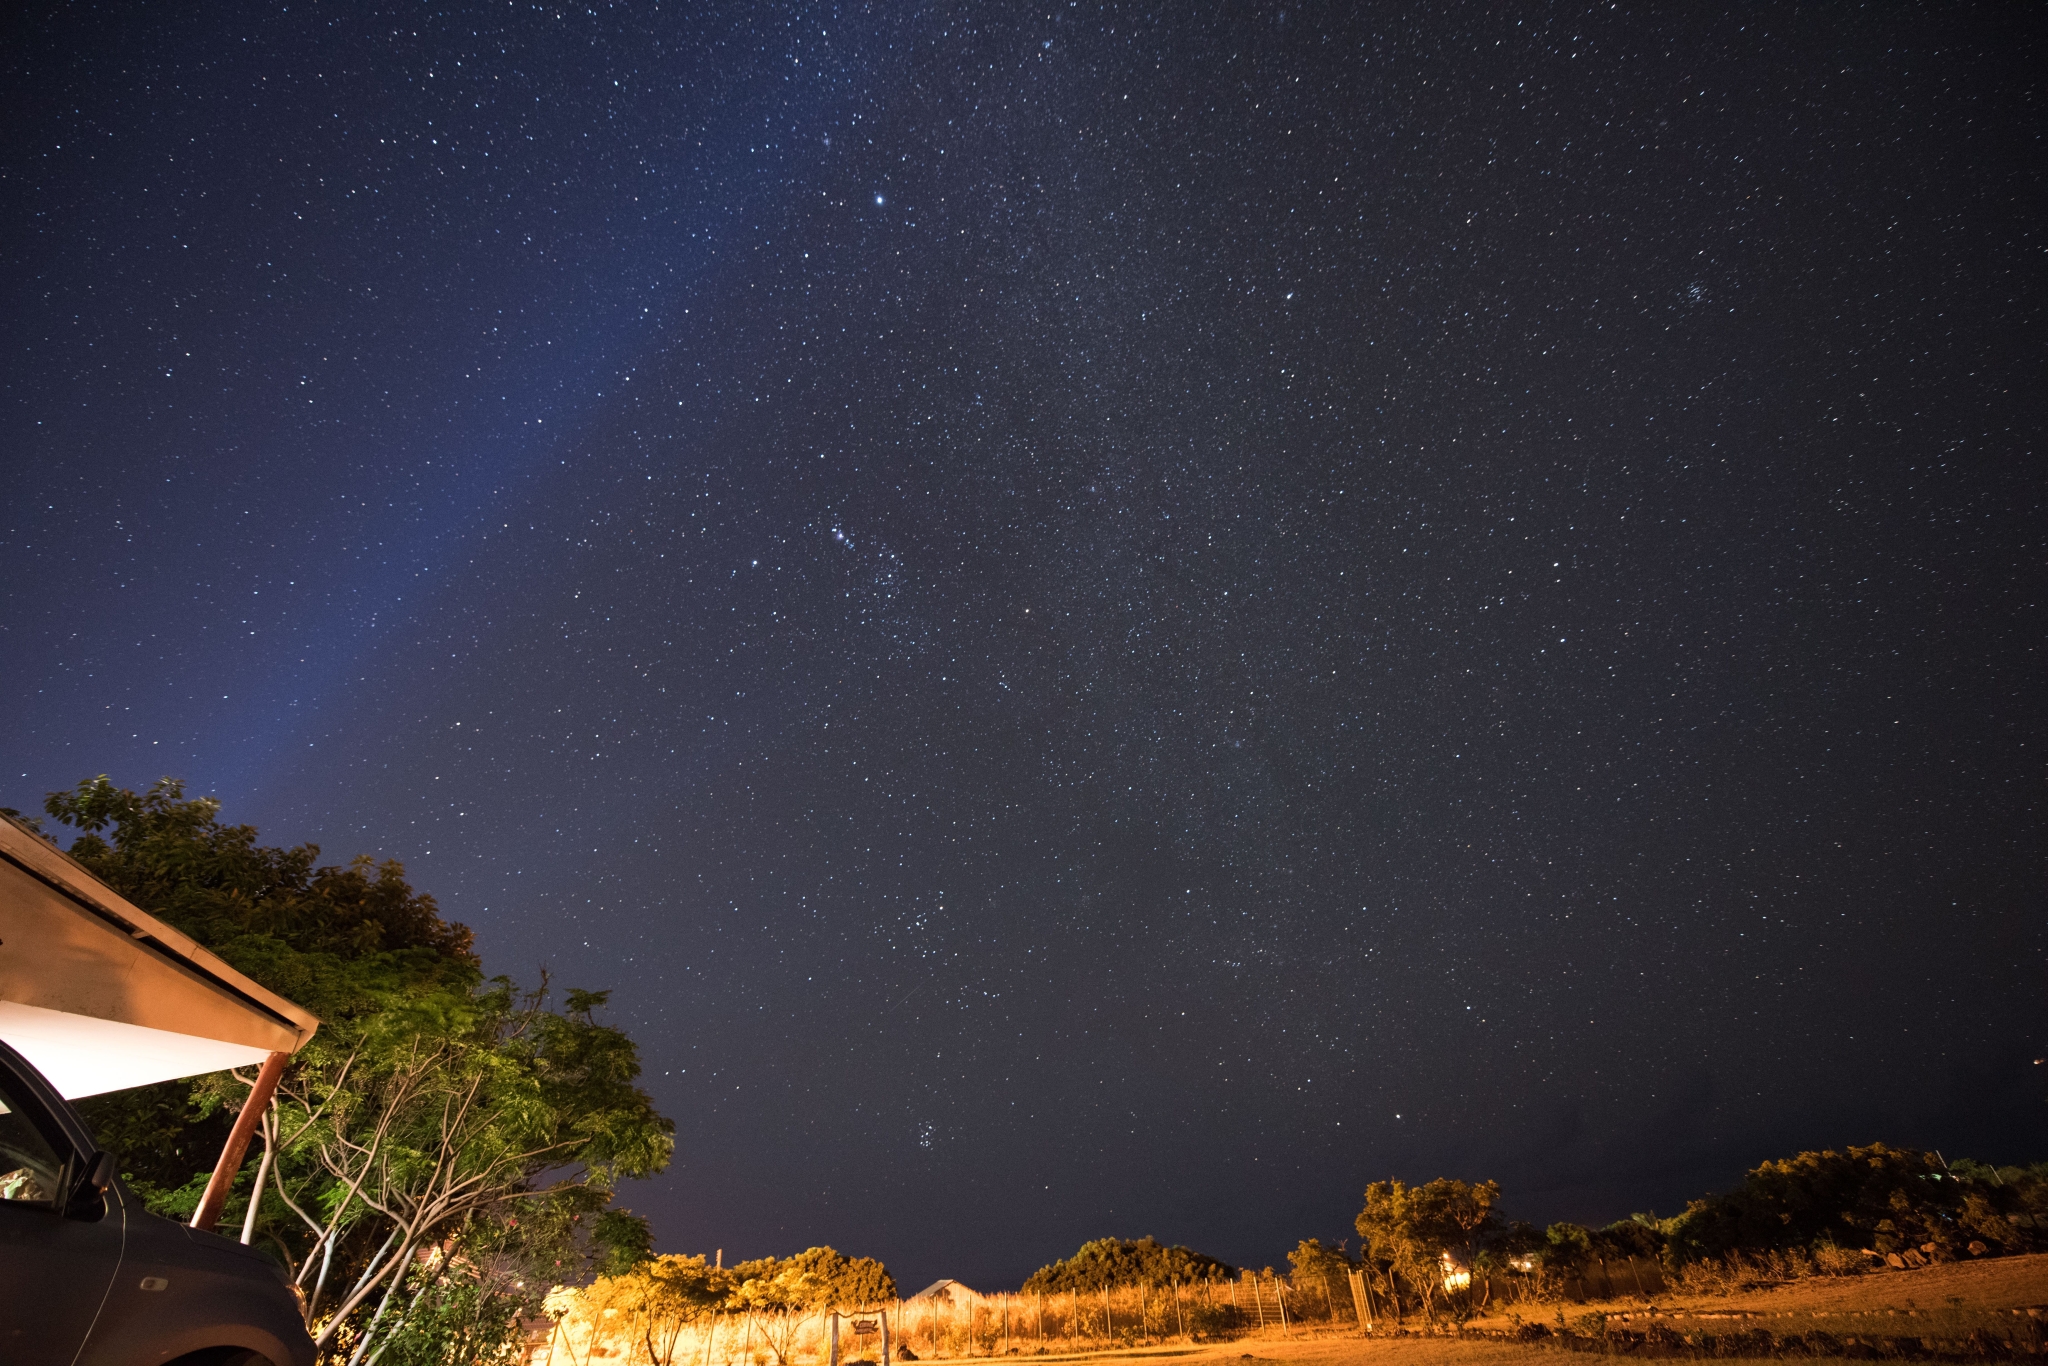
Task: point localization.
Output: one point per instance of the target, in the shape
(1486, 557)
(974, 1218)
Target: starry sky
(1100, 620)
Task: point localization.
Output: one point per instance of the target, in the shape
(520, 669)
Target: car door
(56, 1264)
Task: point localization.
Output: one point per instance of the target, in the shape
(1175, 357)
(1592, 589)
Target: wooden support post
(833, 1328)
(211, 1203)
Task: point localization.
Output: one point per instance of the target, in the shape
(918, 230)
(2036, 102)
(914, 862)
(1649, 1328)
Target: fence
(1031, 1324)
(927, 1329)
(1614, 1278)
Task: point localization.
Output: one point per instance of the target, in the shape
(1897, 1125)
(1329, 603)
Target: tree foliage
(1407, 1230)
(172, 856)
(1122, 1261)
(781, 1292)
(818, 1278)
(1879, 1197)
(1312, 1262)
(443, 1147)
(1824, 1206)
(652, 1303)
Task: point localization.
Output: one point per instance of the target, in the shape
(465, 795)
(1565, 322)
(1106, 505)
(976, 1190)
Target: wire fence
(965, 1325)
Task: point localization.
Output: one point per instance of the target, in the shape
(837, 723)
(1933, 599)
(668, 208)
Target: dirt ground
(1306, 1349)
(1946, 1301)
(1999, 1283)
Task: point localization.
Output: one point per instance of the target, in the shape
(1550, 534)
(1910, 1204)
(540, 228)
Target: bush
(1881, 1197)
(1120, 1261)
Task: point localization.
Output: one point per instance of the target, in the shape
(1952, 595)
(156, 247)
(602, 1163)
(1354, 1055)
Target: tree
(439, 1130)
(1310, 1260)
(1328, 1269)
(655, 1301)
(843, 1282)
(1639, 1235)
(468, 1299)
(1407, 1231)
(779, 1293)
(1567, 1248)
(338, 940)
(172, 856)
(448, 1107)
(1880, 1197)
(1119, 1261)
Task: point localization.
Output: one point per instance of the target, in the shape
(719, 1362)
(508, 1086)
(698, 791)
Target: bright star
(878, 199)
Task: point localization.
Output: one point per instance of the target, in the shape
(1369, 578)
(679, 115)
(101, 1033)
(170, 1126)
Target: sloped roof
(946, 1290)
(100, 995)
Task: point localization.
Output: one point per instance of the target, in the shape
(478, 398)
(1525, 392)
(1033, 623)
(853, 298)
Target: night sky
(1100, 620)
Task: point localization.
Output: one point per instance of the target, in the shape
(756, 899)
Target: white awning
(100, 995)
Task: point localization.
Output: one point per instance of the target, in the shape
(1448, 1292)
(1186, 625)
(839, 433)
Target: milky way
(1099, 621)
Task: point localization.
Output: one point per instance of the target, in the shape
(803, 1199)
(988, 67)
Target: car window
(29, 1166)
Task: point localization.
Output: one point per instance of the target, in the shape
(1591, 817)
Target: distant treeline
(1830, 1212)
(1440, 1249)
(1877, 1200)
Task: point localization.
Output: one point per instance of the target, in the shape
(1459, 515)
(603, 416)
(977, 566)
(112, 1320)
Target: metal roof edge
(34, 854)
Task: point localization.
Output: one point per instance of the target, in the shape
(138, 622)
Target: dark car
(88, 1277)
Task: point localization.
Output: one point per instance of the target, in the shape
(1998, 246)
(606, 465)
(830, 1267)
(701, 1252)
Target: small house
(948, 1292)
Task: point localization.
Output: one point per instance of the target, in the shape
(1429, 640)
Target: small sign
(863, 1327)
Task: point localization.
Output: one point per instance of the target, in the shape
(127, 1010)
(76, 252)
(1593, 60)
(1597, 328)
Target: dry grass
(1940, 1303)
(1943, 1304)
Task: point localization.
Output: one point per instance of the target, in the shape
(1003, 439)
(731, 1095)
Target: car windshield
(28, 1164)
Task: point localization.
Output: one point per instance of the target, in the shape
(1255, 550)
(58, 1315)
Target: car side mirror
(99, 1173)
(89, 1197)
